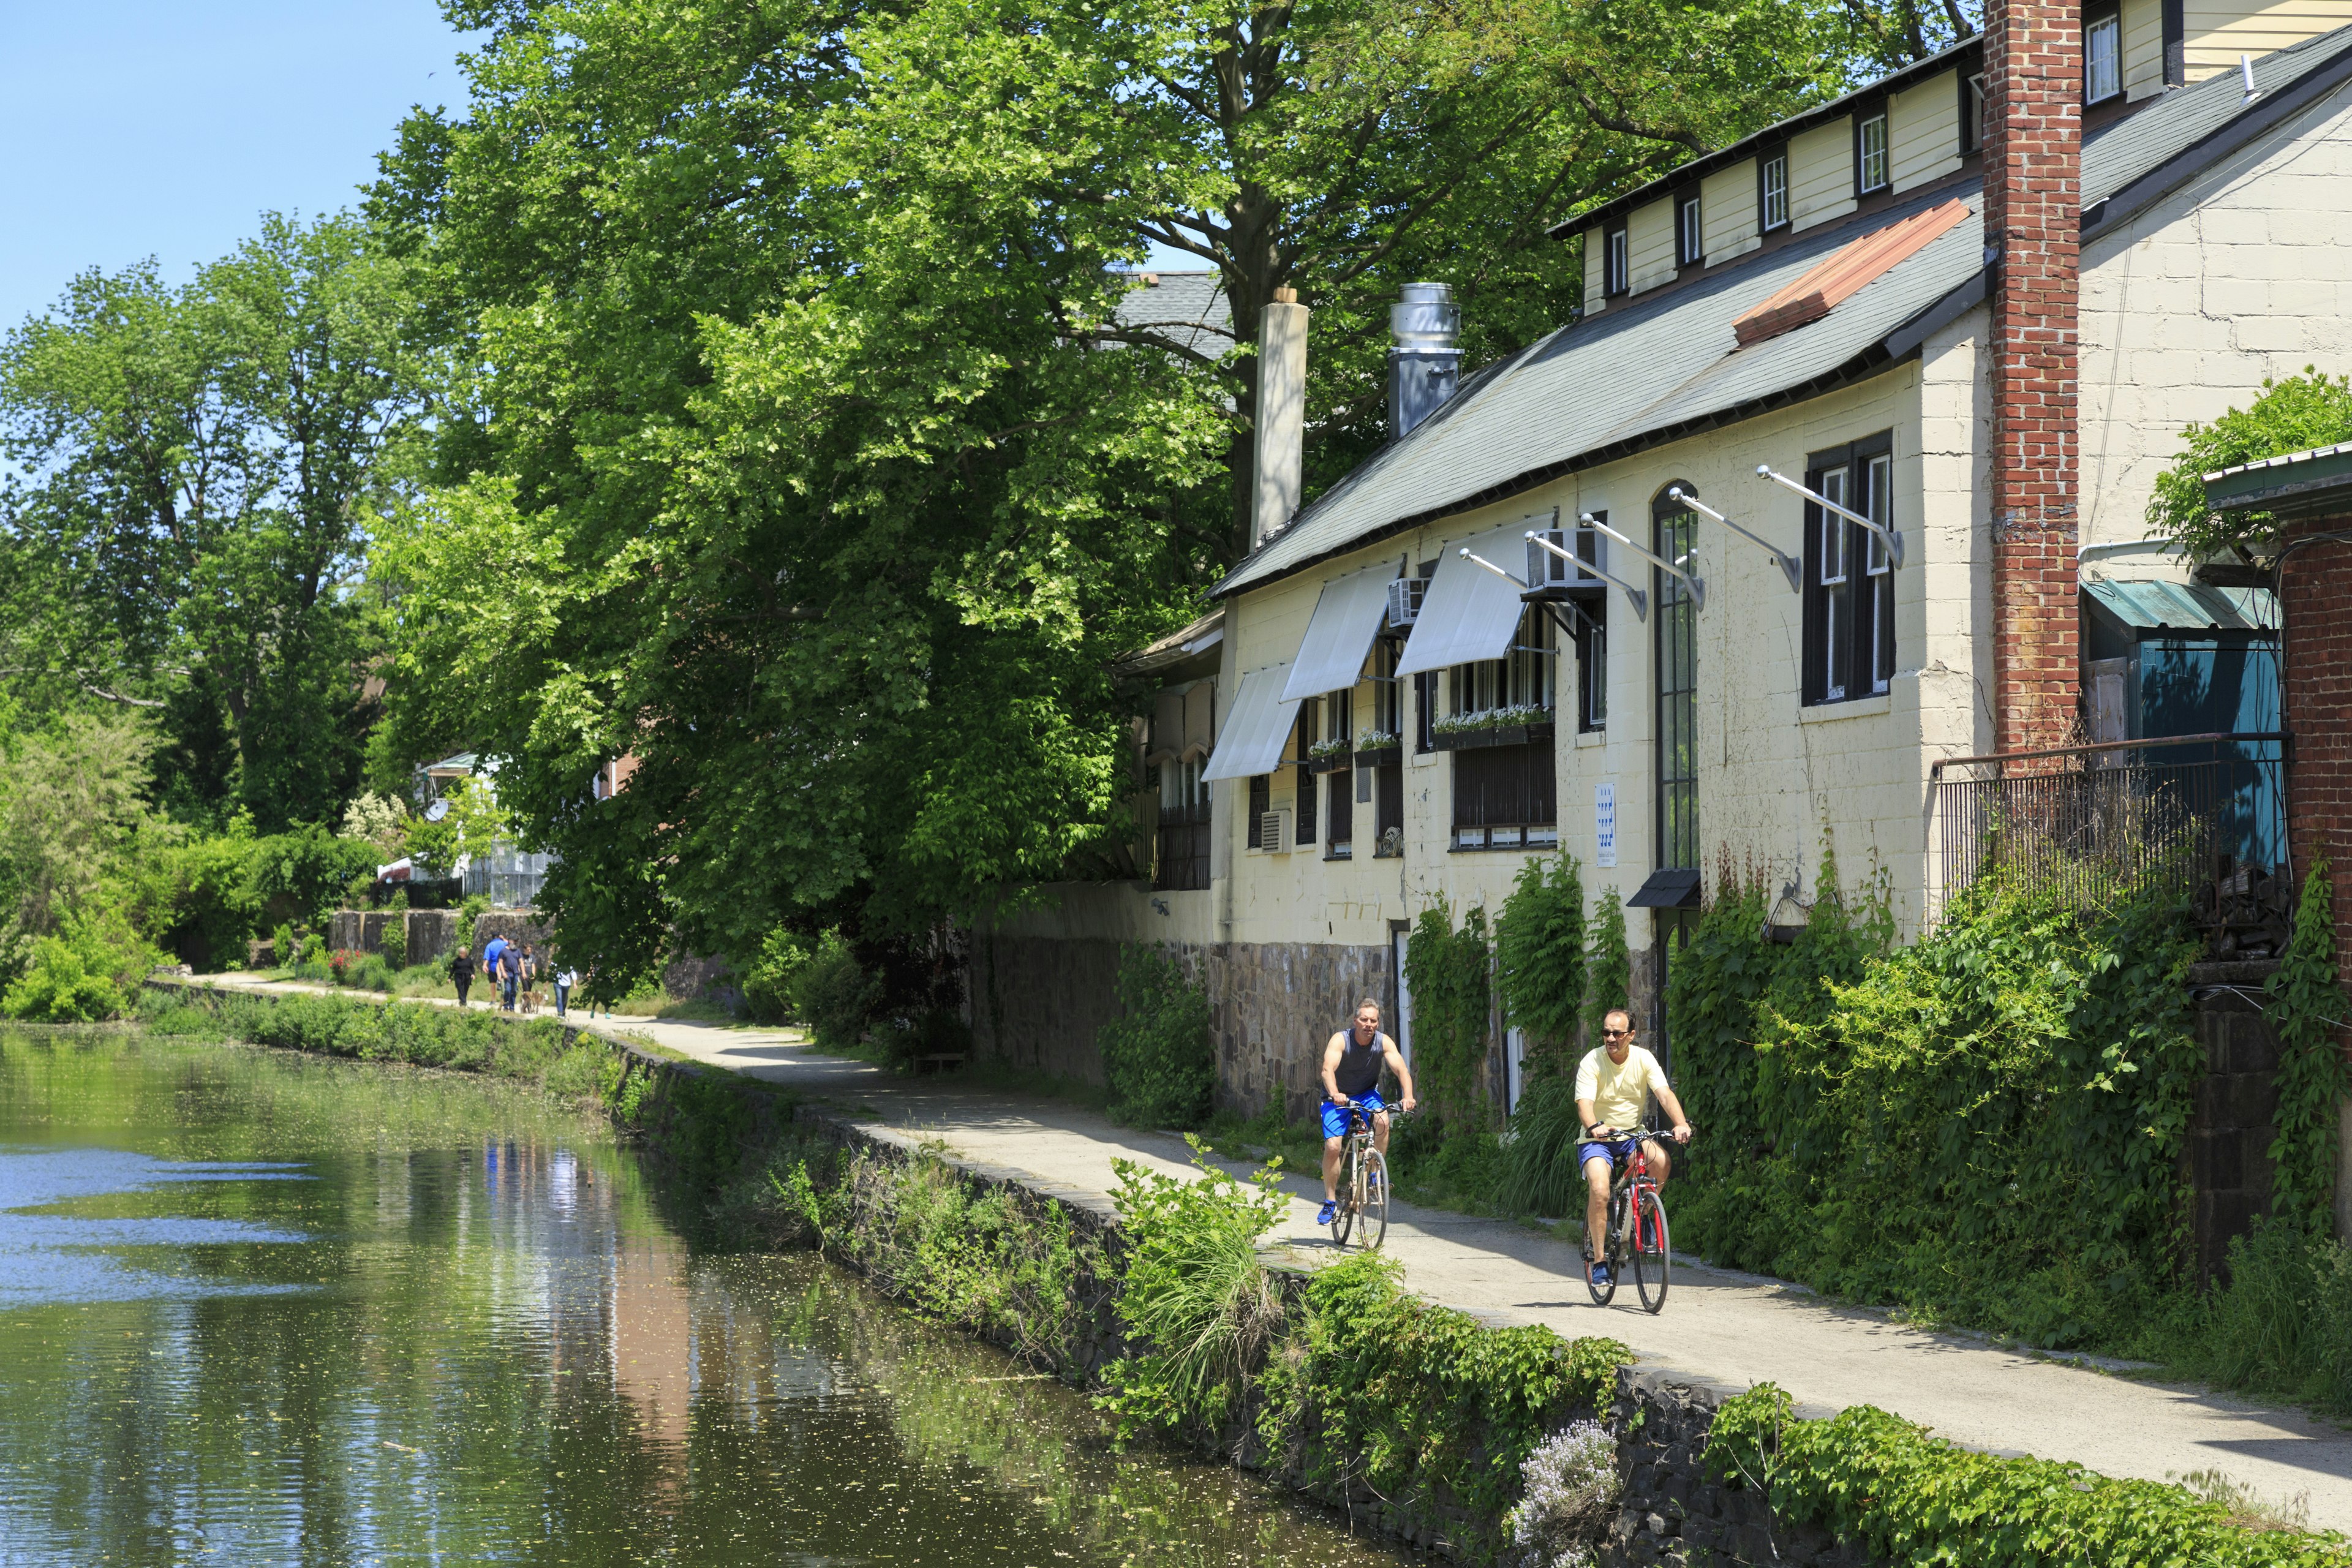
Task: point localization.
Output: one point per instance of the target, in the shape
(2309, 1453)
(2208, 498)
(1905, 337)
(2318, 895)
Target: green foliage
(985, 1258)
(1195, 1295)
(1423, 1404)
(74, 824)
(202, 464)
(1446, 973)
(473, 824)
(833, 994)
(2290, 416)
(1905, 1496)
(1158, 1056)
(472, 1041)
(394, 942)
(2280, 1328)
(2309, 1011)
(768, 978)
(1609, 973)
(1985, 1126)
(284, 950)
(1540, 1175)
(80, 974)
(1539, 959)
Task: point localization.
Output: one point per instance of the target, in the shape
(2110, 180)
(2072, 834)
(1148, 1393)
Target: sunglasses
(1614, 1034)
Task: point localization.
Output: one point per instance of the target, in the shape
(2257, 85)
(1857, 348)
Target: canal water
(258, 1308)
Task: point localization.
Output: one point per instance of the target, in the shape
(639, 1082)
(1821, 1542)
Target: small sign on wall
(1604, 823)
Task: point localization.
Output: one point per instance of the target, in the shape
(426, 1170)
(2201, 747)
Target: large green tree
(196, 472)
(810, 461)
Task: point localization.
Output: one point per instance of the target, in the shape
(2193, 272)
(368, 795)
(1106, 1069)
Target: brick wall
(2315, 595)
(2033, 162)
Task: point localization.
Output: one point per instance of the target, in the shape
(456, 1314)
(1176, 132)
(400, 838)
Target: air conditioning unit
(1274, 832)
(1546, 570)
(1404, 600)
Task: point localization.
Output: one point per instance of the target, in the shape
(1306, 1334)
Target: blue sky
(141, 128)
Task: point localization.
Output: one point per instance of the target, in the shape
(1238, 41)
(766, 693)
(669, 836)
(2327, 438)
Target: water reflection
(405, 1328)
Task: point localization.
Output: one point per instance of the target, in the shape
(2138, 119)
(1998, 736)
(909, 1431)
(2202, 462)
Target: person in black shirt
(461, 973)
(1351, 1075)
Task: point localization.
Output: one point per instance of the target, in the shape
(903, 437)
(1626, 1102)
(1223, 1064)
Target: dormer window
(1870, 155)
(1772, 191)
(1616, 276)
(2103, 74)
(1972, 114)
(1690, 246)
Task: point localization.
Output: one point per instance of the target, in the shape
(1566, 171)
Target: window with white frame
(1773, 200)
(1972, 114)
(1849, 575)
(1691, 248)
(2103, 74)
(1870, 155)
(1614, 265)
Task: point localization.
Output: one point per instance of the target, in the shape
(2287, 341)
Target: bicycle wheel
(1372, 1201)
(1652, 1260)
(1343, 1219)
(1603, 1294)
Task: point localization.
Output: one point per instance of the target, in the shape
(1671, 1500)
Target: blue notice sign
(1604, 823)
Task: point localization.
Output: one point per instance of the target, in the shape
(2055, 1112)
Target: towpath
(1721, 1326)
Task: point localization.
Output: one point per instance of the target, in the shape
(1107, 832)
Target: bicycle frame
(1638, 1180)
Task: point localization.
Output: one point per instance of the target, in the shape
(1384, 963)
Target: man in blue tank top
(1351, 1075)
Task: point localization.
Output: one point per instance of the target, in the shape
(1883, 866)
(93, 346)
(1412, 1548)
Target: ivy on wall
(1446, 971)
(1608, 975)
(1985, 1126)
(1539, 959)
(2309, 1008)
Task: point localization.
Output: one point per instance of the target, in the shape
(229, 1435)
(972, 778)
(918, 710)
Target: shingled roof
(1657, 368)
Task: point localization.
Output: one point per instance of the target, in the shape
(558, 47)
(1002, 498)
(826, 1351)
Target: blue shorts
(1615, 1152)
(1335, 1116)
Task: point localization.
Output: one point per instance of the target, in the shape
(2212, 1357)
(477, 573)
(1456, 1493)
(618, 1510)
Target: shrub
(80, 974)
(283, 950)
(1609, 973)
(1158, 1057)
(1539, 958)
(1195, 1293)
(394, 942)
(1568, 1489)
(833, 994)
(768, 978)
(1905, 1496)
(2309, 1003)
(1540, 1175)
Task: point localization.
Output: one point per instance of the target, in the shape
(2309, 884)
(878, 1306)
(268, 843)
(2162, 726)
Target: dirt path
(1725, 1328)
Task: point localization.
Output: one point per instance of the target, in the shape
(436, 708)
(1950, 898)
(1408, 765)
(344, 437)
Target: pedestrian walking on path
(461, 973)
(565, 979)
(510, 976)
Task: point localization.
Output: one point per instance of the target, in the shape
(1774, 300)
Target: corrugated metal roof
(1651, 368)
(2157, 605)
(2298, 485)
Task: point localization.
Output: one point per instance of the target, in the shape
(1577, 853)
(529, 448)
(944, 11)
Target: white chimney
(1281, 414)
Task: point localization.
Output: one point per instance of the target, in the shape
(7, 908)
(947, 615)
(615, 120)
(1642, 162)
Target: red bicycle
(1637, 1229)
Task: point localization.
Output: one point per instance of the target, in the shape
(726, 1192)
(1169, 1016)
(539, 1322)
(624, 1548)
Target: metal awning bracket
(1886, 536)
(1698, 585)
(1641, 600)
(1792, 566)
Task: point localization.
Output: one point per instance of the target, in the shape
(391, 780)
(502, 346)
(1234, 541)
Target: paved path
(1725, 1328)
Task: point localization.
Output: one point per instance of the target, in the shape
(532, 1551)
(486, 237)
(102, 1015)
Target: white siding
(2217, 32)
(1596, 263)
(2143, 23)
(1923, 130)
(1650, 245)
(1727, 208)
(1820, 174)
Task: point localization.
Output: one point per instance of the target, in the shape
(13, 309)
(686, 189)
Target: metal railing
(2092, 822)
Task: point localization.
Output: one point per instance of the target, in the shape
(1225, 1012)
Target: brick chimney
(2032, 213)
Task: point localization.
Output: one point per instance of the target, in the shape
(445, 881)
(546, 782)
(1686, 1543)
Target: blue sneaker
(1330, 1207)
(1601, 1275)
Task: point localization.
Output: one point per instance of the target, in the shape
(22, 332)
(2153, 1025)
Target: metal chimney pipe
(1424, 361)
(1280, 454)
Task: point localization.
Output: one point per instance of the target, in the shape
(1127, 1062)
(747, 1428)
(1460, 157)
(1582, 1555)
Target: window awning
(1347, 618)
(1469, 613)
(1677, 887)
(1256, 729)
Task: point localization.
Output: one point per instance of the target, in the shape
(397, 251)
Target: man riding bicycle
(1613, 1085)
(1351, 1075)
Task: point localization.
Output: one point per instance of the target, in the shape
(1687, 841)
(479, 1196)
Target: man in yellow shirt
(1613, 1086)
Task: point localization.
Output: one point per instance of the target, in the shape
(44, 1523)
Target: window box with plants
(1492, 727)
(1330, 756)
(1374, 747)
